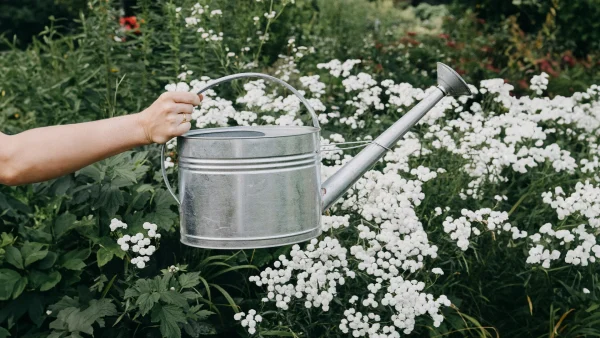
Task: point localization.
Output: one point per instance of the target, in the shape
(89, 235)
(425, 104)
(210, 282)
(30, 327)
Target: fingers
(184, 118)
(183, 128)
(184, 97)
(181, 108)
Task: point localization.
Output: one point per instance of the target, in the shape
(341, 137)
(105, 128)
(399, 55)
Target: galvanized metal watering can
(260, 186)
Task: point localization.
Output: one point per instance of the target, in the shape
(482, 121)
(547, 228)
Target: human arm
(44, 153)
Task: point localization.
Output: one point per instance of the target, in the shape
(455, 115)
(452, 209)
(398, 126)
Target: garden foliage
(482, 222)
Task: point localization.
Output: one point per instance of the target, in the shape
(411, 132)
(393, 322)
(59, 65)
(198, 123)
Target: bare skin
(45, 153)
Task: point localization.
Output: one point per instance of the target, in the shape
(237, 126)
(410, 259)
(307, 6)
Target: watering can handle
(164, 172)
(313, 115)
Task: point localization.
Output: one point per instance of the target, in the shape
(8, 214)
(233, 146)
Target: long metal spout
(449, 83)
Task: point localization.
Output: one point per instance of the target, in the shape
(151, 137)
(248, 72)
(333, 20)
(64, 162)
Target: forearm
(44, 153)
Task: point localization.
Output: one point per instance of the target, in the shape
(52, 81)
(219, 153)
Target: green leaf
(146, 301)
(6, 239)
(8, 279)
(48, 261)
(127, 174)
(74, 320)
(53, 278)
(592, 307)
(74, 264)
(131, 293)
(92, 171)
(103, 256)
(63, 223)
(191, 295)
(174, 297)
(74, 260)
(111, 199)
(189, 280)
(19, 287)
(168, 316)
(33, 252)
(64, 303)
(4, 333)
(14, 257)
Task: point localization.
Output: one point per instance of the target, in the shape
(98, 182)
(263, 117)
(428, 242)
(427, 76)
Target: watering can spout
(449, 83)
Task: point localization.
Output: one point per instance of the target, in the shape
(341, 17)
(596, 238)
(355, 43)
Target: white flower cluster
(334, 222)
(197, 14)
(140, 244)
(337, 68)
(581, 240)
(312, 274)
(539, 83)
(461, 229)
(249, 320)
(116, 224)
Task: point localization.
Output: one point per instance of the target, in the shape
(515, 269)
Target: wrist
(142, 134)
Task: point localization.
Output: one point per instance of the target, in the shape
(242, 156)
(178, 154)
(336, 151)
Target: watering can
(260, 186)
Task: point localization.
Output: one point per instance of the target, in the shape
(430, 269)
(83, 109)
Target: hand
(169, 116)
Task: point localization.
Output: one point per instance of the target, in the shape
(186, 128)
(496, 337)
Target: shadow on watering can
(260, 186)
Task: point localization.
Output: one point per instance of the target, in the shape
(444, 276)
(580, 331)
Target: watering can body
(260, 186)
(249, 187)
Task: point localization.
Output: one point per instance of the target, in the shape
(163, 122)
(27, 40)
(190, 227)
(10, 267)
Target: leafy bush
(481, 222)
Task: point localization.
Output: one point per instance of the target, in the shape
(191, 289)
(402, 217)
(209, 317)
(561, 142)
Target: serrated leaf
(131, 293)
(111, 198)
(174, 297)
(33, 252)
(127, 174)
(146, 301)
(191, 295)
(75, 320)
(103, 256)
(92, 171)
(189, 280)
(169, 316)
(63, 303)
(53, 278)
(8, 279)
(14, 257)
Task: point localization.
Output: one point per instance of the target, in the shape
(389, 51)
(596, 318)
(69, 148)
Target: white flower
(586, 290)
(48, 312)
(437, 271)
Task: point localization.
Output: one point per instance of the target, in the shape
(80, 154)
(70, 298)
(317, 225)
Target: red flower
(444, 36)
(411, 33)
(130, 23)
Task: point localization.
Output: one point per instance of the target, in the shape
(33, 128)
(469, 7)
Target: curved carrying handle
(313, 115)
(164, 172)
